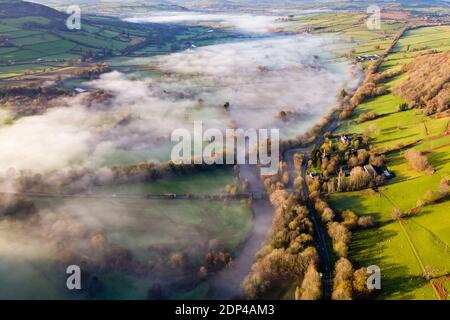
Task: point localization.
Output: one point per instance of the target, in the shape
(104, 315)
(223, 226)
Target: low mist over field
(132, 123)
(242, 22)
(259, 79)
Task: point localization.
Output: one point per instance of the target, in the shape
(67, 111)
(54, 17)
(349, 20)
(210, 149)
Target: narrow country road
(320, 234)
(227, 283)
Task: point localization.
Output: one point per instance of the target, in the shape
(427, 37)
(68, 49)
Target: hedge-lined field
(403, 249)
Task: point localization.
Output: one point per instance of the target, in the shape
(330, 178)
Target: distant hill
(114, 7)
(307, 4)
(20, 9)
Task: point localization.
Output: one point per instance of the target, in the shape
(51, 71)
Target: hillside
(115, 8)
(409, 240)
(34, 38)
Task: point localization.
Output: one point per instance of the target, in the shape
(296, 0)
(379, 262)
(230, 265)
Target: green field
(37, 43)
(210, 182)
(45, 37)
(403, 249)
(355, 38)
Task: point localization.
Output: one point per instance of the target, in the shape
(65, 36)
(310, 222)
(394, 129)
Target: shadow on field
(368, 248)
(438, 159)
(354, 203)
(397, 138)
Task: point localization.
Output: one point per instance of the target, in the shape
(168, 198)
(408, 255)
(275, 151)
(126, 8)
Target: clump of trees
(16, 207)
(402, 107)
(215, 259)
(363, 117)
(289, 252)
(349, 284)
(311, 286)
(418, 161)
(340, 166)
(359, 178)
(427, 85)
(341, 238)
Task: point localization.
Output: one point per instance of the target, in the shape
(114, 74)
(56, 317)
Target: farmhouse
(312, 174)
(367, 57)
(388, 174)
(344, 139)
(79, 90)
(370, 170)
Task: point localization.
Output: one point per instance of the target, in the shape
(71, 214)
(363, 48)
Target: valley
(86, 118)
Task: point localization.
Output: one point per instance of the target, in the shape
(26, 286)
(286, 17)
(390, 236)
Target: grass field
(36, 43)
(416, 42)
(355, 38)
(137, 225)
(403, 249)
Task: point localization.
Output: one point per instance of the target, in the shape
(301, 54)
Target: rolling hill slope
(33, 35)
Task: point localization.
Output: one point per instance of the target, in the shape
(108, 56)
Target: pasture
(403, 249)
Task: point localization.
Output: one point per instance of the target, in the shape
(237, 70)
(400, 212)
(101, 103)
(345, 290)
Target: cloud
(243, 22)
(258, 78)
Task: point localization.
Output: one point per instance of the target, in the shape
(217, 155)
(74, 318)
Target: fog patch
(242, 22)
(259, 79)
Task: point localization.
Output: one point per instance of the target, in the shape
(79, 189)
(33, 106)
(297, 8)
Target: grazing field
(416, 42)
(38, 35)
(39, 42)
(210, 182)
(355, 38)
(407, 248)
(165, 223)
(146, 228)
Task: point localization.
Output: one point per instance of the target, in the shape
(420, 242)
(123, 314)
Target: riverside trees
(289, 253)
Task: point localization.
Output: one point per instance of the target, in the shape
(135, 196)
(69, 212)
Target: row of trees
(80, 179)
(289, 254)
(428, 198)
(340, 224)
(369, 87)
(16, 207)
(347, 284)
